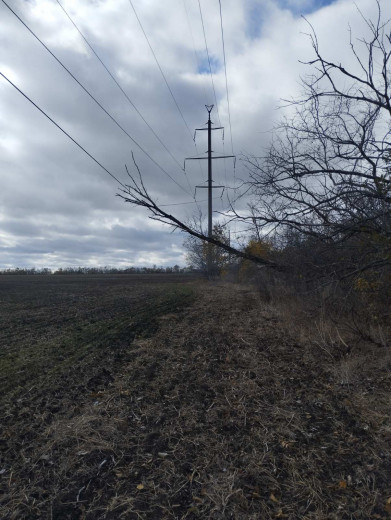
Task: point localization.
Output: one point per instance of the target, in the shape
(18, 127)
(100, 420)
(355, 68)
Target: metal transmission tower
(209, 186)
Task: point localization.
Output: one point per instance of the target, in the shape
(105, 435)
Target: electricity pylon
(210, 186)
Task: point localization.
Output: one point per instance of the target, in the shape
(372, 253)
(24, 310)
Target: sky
(59, 208)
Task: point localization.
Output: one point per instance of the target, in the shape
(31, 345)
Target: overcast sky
(58, 207)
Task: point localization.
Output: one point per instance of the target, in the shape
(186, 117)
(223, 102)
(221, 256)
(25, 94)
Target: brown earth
(220, 413)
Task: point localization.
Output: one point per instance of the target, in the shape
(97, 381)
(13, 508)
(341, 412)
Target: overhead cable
(79, 145)
(166, 82)
(160, 68)
(62, 130)
(210, 66)
(185, 203)
(198, 61)
(226, 80)
(118, 85)
(95, 100)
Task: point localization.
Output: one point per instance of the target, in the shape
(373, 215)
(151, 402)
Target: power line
(166, 82)
(226, 80)
(210, 67)
(212, 81)
(80, 146)
(62, 130)
(118, 85)
(95, 100)
(161, 70)
(226, 86)
(185, 203)
(198, 61)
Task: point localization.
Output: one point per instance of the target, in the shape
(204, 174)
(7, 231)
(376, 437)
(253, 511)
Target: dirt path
(222, 414)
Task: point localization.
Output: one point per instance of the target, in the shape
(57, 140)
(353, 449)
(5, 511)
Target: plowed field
(162, 400)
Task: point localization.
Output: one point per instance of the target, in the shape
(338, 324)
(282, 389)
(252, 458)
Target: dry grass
(229, 411)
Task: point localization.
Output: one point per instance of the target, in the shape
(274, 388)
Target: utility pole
(210, 186)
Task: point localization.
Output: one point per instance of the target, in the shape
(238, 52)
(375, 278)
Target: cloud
(57, 207)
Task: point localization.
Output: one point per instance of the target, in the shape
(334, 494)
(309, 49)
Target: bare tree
(327, 173)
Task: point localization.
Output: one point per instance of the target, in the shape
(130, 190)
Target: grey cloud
(56, 205)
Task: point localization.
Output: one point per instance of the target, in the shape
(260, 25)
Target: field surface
(131, 397)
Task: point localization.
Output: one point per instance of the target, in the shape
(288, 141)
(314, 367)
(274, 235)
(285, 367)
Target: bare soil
(217, 411)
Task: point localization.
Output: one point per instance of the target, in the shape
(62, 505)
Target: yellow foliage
(259, 248)
(363, 285)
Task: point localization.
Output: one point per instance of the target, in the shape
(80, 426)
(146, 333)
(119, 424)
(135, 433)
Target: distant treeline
(95, 270)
